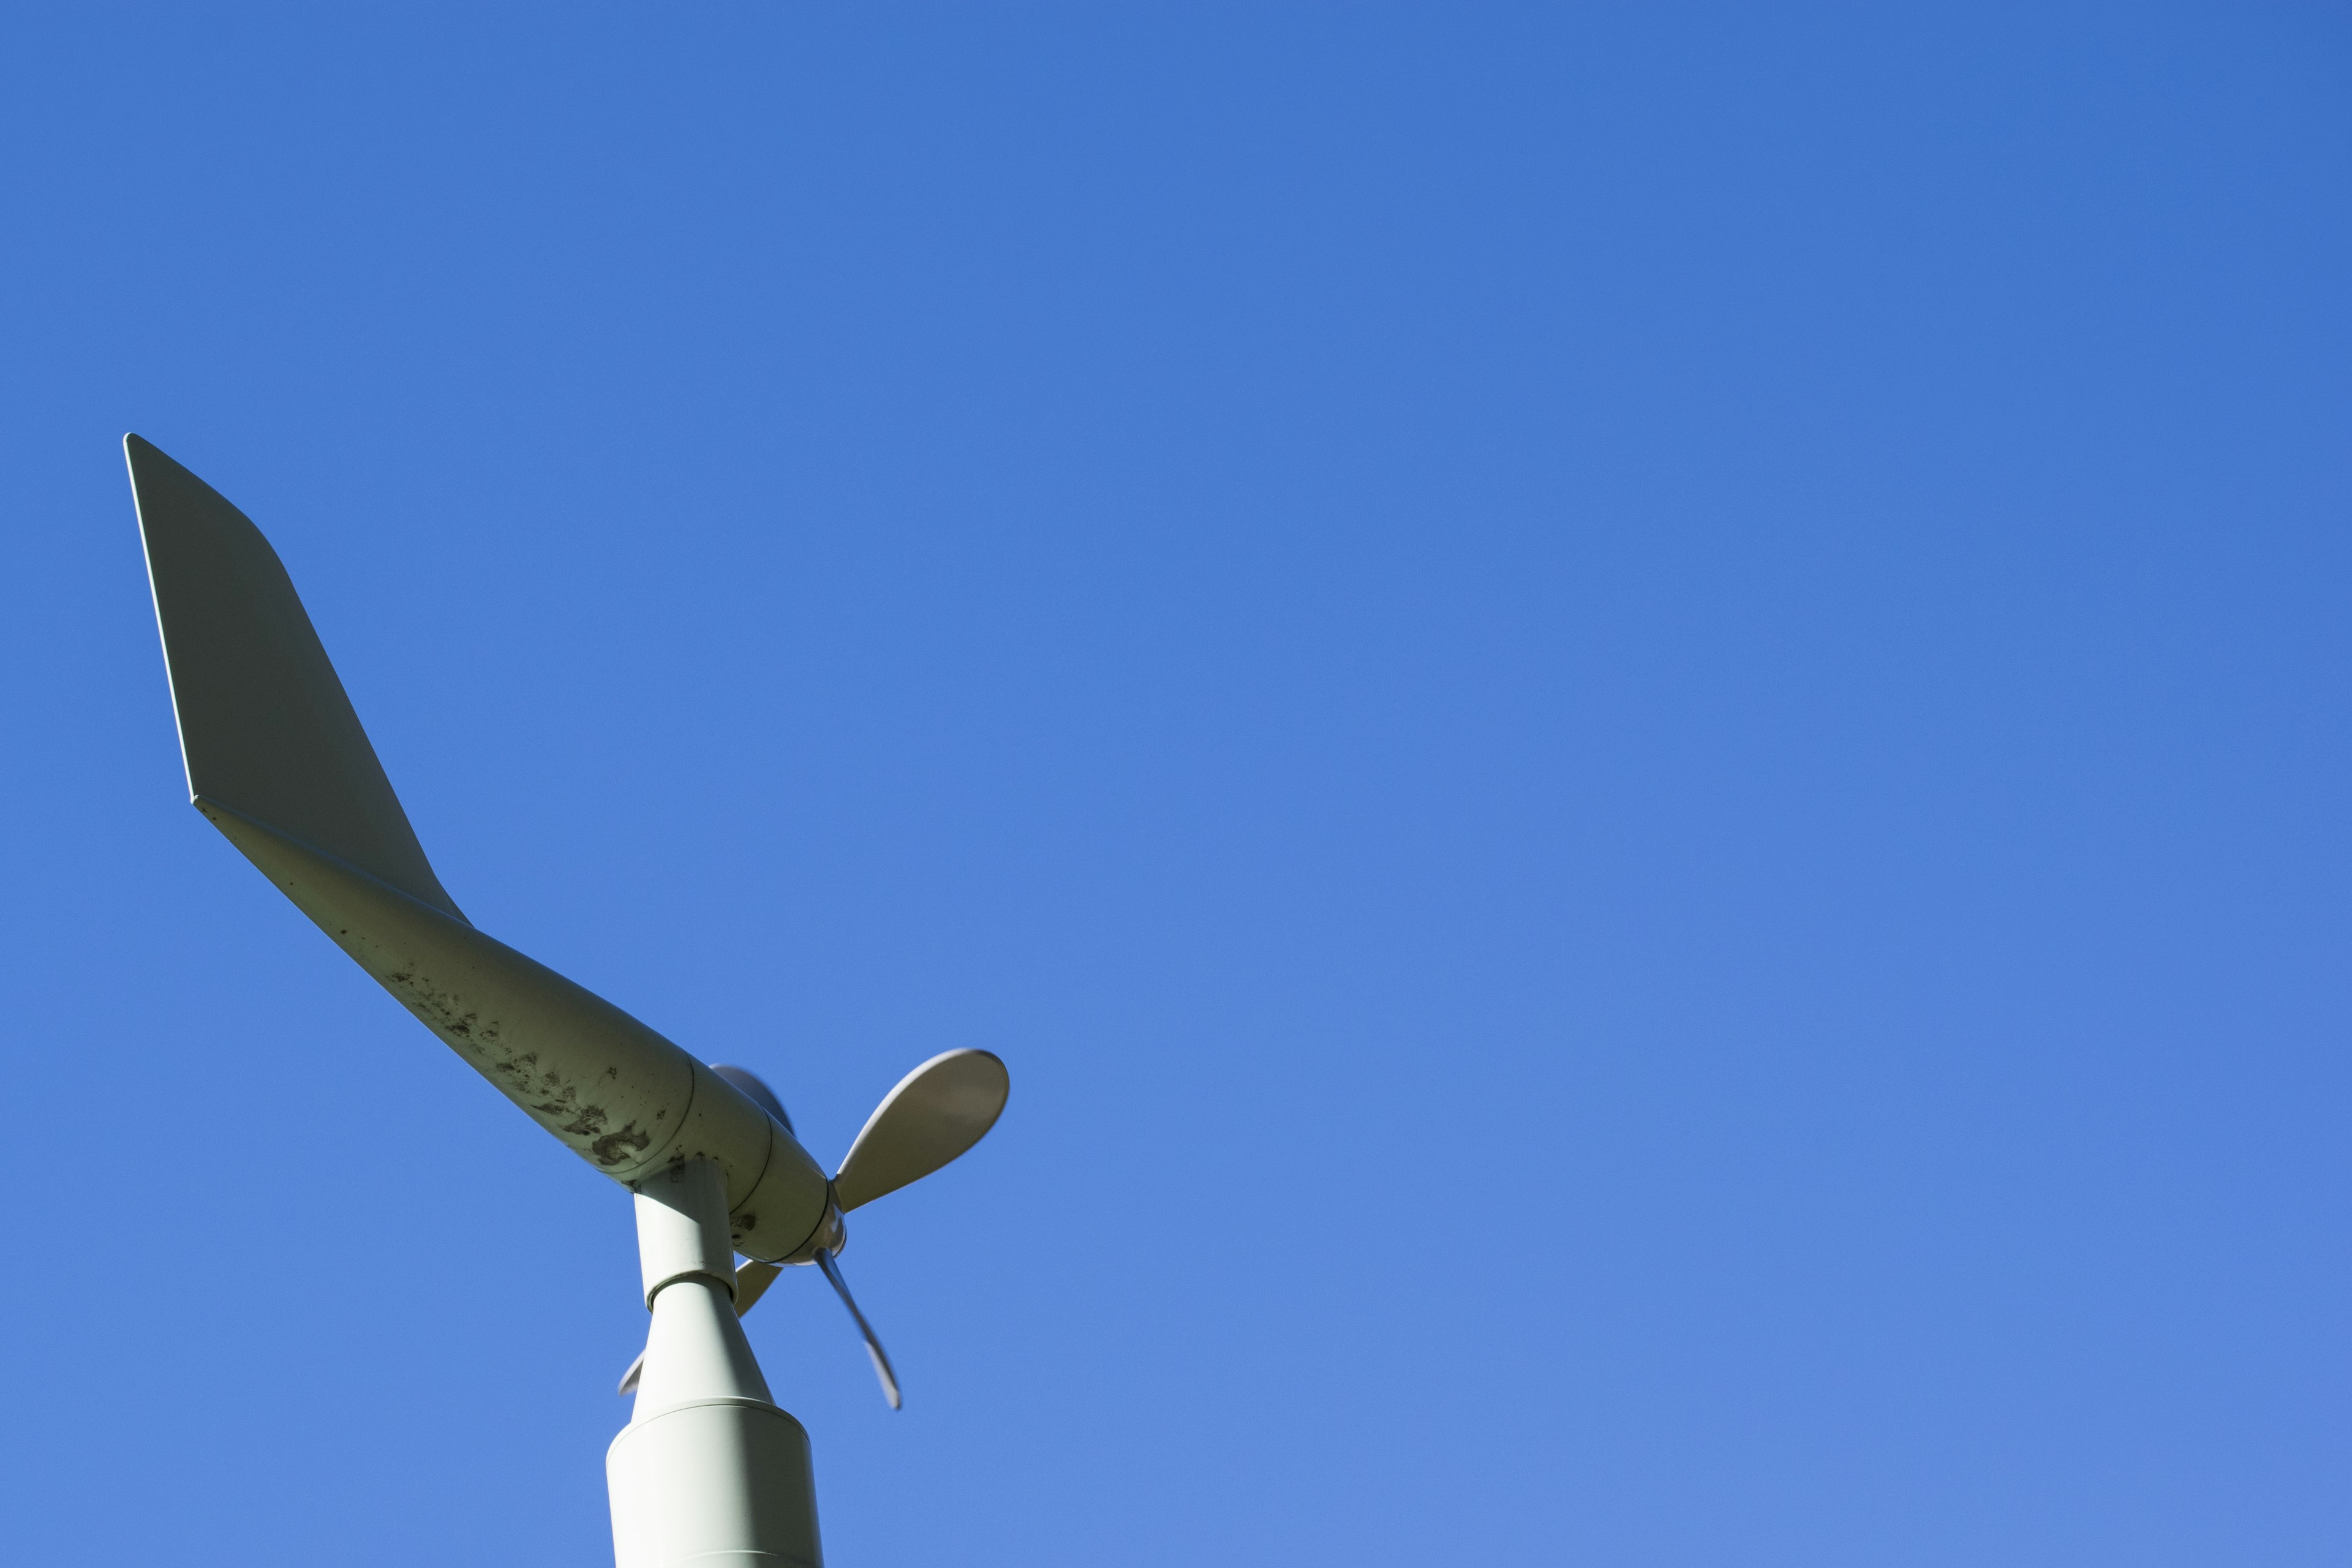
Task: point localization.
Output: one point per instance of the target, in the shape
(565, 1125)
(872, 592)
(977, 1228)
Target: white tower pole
(709, 1471)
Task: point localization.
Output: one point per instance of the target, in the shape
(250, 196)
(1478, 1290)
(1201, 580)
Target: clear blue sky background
(1634, 720)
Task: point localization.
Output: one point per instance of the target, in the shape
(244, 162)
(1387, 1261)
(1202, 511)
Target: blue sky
(1633, 721)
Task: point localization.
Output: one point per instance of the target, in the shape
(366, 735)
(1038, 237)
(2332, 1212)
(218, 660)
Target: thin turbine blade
(629, 1378)
(873, 1346)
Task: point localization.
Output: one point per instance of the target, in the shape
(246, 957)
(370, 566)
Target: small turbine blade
(935, 1113)
(752, 1282)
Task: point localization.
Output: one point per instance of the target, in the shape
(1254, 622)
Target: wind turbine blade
(752, 1282)
(266, 729)
(935, 1113)
(629, 1378)
(873, 1346)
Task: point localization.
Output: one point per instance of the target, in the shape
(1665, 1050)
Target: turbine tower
(709, 1469)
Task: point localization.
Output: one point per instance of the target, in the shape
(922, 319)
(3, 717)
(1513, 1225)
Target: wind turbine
(709, 1469)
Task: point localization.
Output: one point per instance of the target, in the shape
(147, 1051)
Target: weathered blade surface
(264, 726)
(935, 1113)
(613, 1090)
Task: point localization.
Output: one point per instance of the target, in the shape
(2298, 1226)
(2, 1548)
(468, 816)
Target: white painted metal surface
(709, 1472)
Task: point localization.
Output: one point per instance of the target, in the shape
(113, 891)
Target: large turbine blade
(265, 726)
(937, 1111)
(873, 1346)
